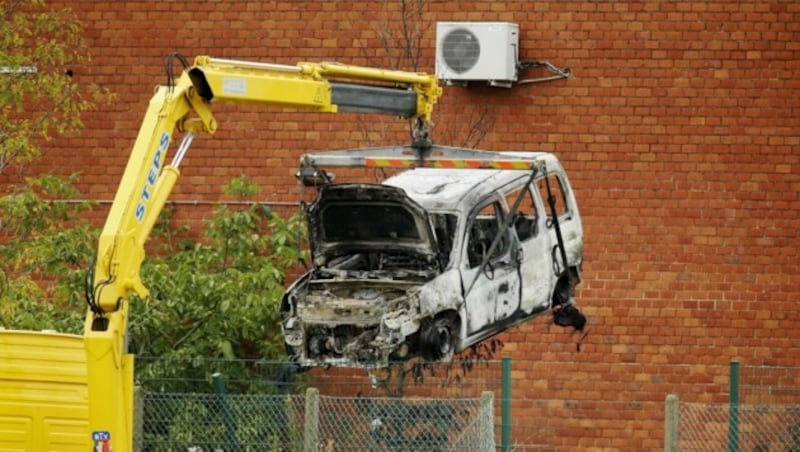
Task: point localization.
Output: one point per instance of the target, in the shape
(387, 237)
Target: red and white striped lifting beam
(434, 157)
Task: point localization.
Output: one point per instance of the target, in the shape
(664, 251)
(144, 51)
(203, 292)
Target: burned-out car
(434, 260)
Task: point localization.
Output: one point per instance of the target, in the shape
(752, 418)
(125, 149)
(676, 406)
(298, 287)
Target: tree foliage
(214, 298)
(217, 298)
(40, 49)
(43, 257)
(403, 28)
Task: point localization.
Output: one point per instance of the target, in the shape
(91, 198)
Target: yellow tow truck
(45, 376)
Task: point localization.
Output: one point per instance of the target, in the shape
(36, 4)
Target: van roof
(458, 177)
(455, 189)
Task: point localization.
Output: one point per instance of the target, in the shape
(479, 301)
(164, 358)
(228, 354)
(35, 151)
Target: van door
(568, 220)
(492, 291)
(536, 268)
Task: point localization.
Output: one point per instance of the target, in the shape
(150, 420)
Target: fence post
(733, 410)
(230, 424)
(138, 417)
(505, 411)
(671, 423)
(311, 427)
(487, 421)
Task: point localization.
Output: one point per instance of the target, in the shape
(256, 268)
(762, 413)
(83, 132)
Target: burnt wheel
(437, 340)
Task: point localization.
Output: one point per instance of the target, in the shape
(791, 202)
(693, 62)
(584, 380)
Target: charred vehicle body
(434, 260)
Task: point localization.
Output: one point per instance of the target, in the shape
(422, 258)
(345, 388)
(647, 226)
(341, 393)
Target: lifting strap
(551, 201)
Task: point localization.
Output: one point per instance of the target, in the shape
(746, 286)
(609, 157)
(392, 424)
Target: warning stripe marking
(448, 163)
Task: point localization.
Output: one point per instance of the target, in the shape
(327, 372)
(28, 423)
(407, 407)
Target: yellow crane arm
(185, 106)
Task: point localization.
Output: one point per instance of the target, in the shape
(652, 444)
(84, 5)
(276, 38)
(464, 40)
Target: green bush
(43, 262)
(217, 297)
(212, 296)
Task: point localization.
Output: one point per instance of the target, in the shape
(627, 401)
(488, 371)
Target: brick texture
(680, 129)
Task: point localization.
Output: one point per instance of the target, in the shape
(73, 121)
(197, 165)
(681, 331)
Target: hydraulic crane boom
(186, 106)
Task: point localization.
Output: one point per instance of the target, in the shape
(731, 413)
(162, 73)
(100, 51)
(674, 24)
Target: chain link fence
(405, 407)
(402, 424)
(763, 414)
(310, 422)
(760, 427)
(209, 422)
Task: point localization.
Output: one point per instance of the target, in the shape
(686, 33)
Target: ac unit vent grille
(460, 50)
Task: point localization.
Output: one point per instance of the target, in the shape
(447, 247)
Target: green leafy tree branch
(214, 298)
(47, 247)
(39, 98)
(218, 297)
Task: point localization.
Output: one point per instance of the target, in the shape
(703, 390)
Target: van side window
(557, 189)
(526, 220)
(484, 226)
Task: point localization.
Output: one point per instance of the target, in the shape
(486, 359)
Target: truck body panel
(43, 392)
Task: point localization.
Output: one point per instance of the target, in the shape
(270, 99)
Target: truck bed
(43, 392)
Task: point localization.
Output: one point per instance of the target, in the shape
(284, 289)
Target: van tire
(436, 338)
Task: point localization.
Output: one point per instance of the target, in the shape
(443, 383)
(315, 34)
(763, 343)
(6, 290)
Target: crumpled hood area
(354, 218)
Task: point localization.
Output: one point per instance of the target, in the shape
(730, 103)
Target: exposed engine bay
(359, 310)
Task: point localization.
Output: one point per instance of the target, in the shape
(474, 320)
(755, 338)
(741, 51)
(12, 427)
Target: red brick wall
(680, 129)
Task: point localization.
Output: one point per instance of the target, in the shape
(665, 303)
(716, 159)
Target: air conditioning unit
(477, 51)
